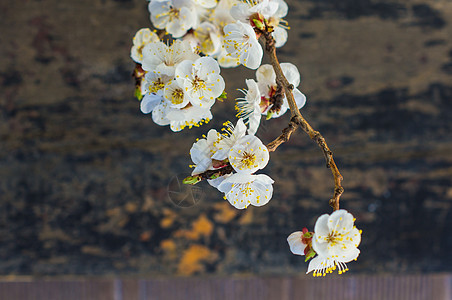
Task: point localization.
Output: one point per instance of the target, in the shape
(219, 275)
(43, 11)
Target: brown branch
(284, 137)
(217, 173)
(209, 174)
(161, 33)
(297, 120)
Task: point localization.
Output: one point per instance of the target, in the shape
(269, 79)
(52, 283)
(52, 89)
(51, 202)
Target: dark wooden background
(88, 184)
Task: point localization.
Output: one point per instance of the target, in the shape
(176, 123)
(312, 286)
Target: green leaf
(191, 180)
(269, 115)
(223, 95)
(138, 94)
(214, 176)
(311, 253)
(308, 235)
(259, 24)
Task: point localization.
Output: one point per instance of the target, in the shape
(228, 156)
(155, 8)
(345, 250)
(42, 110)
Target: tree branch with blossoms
(178, 84)
(298, 120)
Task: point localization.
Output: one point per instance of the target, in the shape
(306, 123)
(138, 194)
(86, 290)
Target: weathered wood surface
(405, 287)
(86, 178)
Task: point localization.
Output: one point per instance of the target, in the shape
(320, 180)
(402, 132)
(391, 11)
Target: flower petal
(295, 243)
(248, 155)
(319, 263)
(149, 102)
(265, 75)
(159, 114)
(320, 245)
(262, 190)
(291, 73)
(321, 226)
(252, 58)
(280, 36)
(340, 219)
(348, 256)
(216, 182)
(183, 73)
(206, 66)
(300, 98)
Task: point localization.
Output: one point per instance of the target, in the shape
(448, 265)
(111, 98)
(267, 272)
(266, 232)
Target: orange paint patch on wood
(168, 219)
(202, 227)
(193, 259)
(247, 217)
(168, 245)
(145, 236)
(225, 212)
(131, 207)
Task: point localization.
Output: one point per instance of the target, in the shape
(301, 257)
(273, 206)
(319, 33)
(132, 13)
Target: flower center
(248, 159)
(173, 13)
(156, 85)
(198, 84)
(177, 96)
(247, 190)
(140, 50)
(334, 238)
(251, 3)
(206, 43)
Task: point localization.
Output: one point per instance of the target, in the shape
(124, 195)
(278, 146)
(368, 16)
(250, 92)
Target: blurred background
(89, 186)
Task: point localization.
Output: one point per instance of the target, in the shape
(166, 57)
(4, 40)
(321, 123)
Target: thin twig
(297, 120)
(284, 137)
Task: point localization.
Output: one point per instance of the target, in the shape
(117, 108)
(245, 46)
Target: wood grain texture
(89, 184)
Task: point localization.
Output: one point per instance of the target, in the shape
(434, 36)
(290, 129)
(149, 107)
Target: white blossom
(248, 155)
(163, 112)
(241, 190)
(242, 10)
(155, 81)
(228, 138)
(266, 79)
(150, 101)
(201, 152)
(240, 41)
(215, 146)
(190, 116)
(225, 60)
(296, 243)
(175, 95)
(335, 241)
(175, 16)
(282, 10)
(248, 108)
(280, 35)
(208, 38)
(217, 181)
(279, 24)
(206, 3)
(152, 90)
(201, 81)
(221, 15)
(161, 58)
(143, 37)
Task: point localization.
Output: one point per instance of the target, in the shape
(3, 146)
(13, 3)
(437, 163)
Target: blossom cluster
(221, 29)
(178, 81)
(245, 153)
(179, 86)
(335, 240)
(226, 32)
(260, 98)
